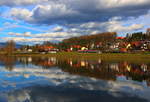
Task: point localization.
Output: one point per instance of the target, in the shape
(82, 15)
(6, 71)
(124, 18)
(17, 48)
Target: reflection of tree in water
(101, 69)
(8, 62)
(88, 68)
(45, 62)
(138, 72)
(107, 70)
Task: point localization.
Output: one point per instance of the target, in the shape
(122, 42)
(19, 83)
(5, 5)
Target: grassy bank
(94, 56)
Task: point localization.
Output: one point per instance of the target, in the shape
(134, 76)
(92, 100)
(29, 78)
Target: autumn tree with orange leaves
(10, 47)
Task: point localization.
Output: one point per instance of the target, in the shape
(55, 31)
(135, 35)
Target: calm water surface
(50, 79)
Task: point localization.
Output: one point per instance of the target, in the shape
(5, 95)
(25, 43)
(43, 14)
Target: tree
(88, 40)
(10, 47)
(138, 36)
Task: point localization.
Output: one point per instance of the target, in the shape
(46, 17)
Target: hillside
(84, 40)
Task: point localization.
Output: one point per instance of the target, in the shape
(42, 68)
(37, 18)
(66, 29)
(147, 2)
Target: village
(107, 42)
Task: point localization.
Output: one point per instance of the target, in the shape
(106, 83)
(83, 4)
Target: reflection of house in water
(107, 70)
(24, 60)
(87, 68)
(114, 66)
(45, 62)
(100, 69)
(39, 61)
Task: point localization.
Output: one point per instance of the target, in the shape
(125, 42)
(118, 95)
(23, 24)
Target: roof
(120, 37)
(47, 47)
(136, 43)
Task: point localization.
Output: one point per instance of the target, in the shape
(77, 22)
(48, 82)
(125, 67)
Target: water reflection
(92, 68)
(46, 79)
(108, 70)
(62, 94)
(8, 62)
(45, 62)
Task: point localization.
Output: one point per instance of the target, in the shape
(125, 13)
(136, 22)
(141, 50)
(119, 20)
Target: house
(120, 38)
(75, 47)
(84, 48)
(47, 49)
(137, 44)
(123, 50)
(29, 50)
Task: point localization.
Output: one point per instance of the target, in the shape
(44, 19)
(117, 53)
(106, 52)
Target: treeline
(89, 39)
(138, 36)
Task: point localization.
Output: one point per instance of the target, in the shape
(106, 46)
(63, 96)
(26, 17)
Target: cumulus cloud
(78, 17)
(40, 37)
(44, 35)
(21, 14)
(58, 29)
(27, 40)
(80, 11)
(20, 2)
(115, 24)
(121, 28)
(25, 34)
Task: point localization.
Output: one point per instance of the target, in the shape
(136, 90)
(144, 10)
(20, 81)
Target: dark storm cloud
(80, 11)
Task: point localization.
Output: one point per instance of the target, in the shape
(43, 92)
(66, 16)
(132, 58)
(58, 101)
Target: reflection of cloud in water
(62, 94)
(55, 78)
(17, 96)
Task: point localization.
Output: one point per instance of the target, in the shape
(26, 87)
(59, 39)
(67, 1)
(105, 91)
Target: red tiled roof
(120, 37)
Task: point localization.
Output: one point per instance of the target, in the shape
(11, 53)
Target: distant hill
(84, 40)
(4, 44)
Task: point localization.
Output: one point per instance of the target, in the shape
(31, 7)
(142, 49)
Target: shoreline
(93, 56)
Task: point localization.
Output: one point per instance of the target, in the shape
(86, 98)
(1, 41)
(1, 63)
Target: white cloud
(14, 34)
(25, 34)
(114, 25)
(119, 3)
(78, 17)
(44, 35)
(41, 13)
(121, 28)
(21, 14)
(20, 2)
(27, 40)
(90, 25)
(73, 11)
(57, 29)
(38, 38)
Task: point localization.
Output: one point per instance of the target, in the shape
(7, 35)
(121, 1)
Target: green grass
(138, 57)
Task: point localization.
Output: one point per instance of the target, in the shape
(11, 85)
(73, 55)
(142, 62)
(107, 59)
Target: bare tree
(10, 47)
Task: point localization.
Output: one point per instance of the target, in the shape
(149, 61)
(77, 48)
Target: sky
(36, 21)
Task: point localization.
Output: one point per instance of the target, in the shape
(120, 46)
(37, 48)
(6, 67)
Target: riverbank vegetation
(138, 57)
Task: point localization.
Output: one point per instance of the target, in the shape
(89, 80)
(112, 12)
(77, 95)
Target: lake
(51, 79)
